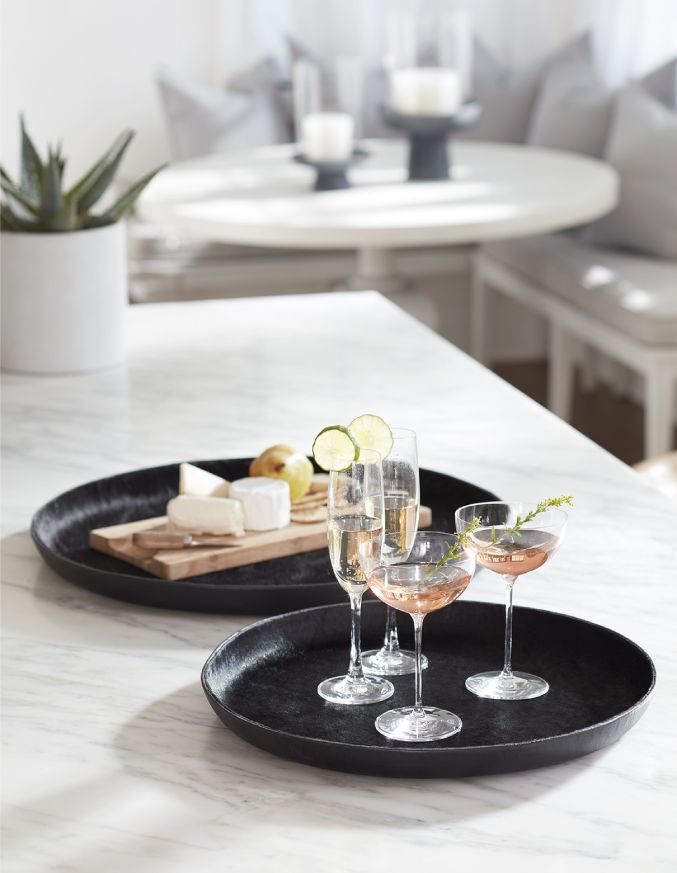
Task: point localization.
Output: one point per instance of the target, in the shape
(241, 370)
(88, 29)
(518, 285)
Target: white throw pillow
(204, 120)
(642, 146)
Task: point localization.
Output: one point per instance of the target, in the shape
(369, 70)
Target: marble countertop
(113, 759)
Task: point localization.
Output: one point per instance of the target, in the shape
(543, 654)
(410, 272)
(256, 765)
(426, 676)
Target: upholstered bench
(621, 304)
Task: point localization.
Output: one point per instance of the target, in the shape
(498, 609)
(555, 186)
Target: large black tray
(262, 681)
(61, 529)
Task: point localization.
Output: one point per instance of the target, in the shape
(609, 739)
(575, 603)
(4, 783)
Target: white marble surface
(261, 197)
(114, 761)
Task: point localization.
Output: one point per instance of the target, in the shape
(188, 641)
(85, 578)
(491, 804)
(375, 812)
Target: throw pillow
(661, 84)
(642, 146)
(573, 109)
(205, 120)
(507, 99)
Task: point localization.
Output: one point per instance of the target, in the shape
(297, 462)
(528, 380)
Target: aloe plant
(39, 204)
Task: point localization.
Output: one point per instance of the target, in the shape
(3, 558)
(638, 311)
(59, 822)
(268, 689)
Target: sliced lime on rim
(372, 432)
(335, 448)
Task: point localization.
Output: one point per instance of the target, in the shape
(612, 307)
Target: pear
(284, 462)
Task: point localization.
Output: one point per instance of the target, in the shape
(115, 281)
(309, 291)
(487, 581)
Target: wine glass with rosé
(511, 539)
(428, 580)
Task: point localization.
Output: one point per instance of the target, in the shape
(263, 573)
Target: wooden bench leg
(563, 356)
(658, 411)
(479, 327)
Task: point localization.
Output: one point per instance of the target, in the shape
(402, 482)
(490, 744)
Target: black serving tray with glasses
(262, 681)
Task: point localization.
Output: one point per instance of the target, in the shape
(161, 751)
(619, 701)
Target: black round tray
(61, 529)
(262, 682)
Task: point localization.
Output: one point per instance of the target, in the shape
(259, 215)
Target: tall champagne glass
(422, 584)
(511, 554)
(355, 535)
(401, 500)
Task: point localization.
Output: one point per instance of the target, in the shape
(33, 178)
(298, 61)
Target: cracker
(310, 500)
(319, 483)
(310, 515)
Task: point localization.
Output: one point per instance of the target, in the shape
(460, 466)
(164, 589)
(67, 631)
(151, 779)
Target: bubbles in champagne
(354, 549)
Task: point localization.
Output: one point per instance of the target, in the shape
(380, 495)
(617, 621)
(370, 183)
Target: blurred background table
(262, 198)
(113, 758)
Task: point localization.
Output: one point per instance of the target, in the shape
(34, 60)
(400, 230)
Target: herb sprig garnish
(543, 506)
(460, 544)
(515, 530)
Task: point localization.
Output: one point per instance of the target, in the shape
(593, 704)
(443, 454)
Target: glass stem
(355, 668)
(391, 643)
(507, 661)
(418, 630)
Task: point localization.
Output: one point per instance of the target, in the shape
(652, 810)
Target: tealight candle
(327, 136)
(425, 91)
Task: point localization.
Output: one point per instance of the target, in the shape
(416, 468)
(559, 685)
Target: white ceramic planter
(64, 300)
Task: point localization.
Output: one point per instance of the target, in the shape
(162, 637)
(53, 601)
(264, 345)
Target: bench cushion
(635, 295)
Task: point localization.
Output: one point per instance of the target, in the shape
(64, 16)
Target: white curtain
(631, 36)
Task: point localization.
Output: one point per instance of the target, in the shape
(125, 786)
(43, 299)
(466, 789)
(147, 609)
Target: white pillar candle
(327, 136)
(425, 91)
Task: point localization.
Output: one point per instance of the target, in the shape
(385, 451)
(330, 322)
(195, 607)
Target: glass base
(353, 692)
(402, 724)
(382, 662)
(507, 686)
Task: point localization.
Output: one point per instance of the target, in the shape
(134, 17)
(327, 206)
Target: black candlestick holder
(331, 175)
(429, 137)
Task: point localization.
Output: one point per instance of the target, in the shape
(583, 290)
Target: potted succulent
(64, 269)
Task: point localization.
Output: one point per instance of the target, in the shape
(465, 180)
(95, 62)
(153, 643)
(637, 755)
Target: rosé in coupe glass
(428, 580)
(507, 540)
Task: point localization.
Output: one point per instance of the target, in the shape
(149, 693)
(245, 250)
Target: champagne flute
(355, 535)
(427, 581)
(401, 500)
(511, 554)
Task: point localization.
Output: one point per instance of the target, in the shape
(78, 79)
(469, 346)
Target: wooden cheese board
(252, 548)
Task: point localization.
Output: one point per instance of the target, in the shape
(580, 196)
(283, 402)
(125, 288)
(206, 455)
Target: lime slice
(335, 448)
(372, 432)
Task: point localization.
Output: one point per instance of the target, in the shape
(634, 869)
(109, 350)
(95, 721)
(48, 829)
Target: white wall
(82, 71)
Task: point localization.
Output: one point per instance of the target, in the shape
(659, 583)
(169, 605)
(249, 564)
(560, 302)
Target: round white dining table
(262, 197)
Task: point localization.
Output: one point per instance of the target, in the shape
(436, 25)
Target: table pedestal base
(376, 272)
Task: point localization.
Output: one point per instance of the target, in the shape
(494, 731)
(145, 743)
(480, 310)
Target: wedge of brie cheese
(206, 515)
(200, 483)
(265, 501)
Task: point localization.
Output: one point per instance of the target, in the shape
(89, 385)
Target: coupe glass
(401, 499)
(512, 555)
(355, 534)
(419, 586)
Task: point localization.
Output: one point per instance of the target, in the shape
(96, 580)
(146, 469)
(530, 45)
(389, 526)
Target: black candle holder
(428, 138)
(331, 175)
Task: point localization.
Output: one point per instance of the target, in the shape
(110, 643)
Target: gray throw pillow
(265, 79)
(204, 120)
(573, 109)
(642, 146)
(661, 84)
(507, 99)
